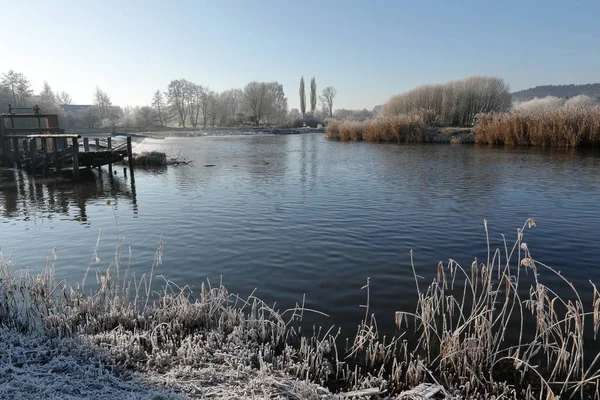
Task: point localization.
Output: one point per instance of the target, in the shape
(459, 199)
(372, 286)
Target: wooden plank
(86, 144)
(75, 158)
(97, 141)
(44, 135)
(4, 115)
(33, 130)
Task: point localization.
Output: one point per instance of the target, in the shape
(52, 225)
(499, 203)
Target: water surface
(294, 215)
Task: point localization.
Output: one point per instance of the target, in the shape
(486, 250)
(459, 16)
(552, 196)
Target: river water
(299, 215)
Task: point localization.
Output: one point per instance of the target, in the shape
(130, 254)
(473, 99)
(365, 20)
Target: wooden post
(8, 161)
(86, 144)
(17, 157)
(109, 146)
(56, 152)
(97, 140)
(25, 146)
(129, 153)
(45, 148)
(33, 153)
(75, 159)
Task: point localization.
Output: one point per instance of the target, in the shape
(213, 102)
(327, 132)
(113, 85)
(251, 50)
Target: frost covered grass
(407, 128)
(539, 126)
(494, 329)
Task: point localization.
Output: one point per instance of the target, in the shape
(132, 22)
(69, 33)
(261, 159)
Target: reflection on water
(294, 215)
(25, 197)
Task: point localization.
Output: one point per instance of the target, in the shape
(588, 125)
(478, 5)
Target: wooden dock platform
(35, 142)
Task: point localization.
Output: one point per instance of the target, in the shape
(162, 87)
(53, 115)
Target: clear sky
(367, 50)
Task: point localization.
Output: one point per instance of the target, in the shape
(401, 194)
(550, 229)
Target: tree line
(183, 103)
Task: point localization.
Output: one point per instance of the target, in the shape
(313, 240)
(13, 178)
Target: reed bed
(212, 343)
(407, 128)
(560, 127)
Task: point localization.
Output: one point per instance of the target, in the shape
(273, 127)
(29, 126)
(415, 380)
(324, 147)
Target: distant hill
(591, 89)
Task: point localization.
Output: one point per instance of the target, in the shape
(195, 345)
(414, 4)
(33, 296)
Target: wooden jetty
(33, 140)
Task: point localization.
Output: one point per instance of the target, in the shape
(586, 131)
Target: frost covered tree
(454, 103)
(264, 101)
(17, 86)
(159, 105)
(63, 98)
(326, 99)
(302, 98)
(47, 99)
(178, 94)
(313, 95)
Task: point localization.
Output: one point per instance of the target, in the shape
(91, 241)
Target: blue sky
(367, 50)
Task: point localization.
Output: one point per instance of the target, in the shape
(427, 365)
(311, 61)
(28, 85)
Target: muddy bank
(451, 135)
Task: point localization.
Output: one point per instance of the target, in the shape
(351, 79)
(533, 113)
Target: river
(299, 215)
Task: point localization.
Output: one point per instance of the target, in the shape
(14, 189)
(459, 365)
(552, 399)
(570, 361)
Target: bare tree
(17, 86)
(213, 108)
(264, 100)
(159, 105)
(145, 116)
(102, 101)
(326, 99)
(195, 93)
(47, 99)
(91, 117)
(313, 95)
(230, 101)
(205, 103)
(178, 95)
(63, 98)
(302, 98)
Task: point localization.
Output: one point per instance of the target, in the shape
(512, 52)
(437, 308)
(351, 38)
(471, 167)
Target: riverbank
(199, 131)
(562, 127)
(183, 343)
(398, 129)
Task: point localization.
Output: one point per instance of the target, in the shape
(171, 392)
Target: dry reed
(408, 128)
(216, 344)
(562, 127)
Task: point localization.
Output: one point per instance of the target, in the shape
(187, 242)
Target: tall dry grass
(409, 128)
(459, 336)
(562, 127)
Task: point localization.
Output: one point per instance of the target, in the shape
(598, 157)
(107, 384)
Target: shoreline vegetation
(490, 329)
(477, 110)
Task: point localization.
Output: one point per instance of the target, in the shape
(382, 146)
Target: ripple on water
(318, 220)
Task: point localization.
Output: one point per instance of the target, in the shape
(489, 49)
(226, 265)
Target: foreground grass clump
(408, 128)
(150, 158)
(494, 329)
(560, 127)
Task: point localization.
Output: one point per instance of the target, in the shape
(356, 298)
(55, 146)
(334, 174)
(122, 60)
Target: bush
(453, 103)
(397, 129)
